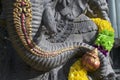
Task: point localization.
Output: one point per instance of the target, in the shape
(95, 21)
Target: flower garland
(104, 43)
(105, 37)
(77, 72)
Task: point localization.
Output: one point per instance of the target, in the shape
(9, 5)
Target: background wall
(114, 11)
(114, 14)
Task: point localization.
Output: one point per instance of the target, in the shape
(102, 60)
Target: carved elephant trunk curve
(20, 14)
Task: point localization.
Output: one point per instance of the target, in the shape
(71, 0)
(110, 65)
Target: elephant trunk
(20, 14)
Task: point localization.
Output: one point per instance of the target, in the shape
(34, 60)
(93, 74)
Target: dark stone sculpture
(49, 35)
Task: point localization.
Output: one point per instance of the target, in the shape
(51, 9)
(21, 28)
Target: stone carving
(49, 35)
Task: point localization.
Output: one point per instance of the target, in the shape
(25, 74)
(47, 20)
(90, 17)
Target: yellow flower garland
(77, 72)
(103, 24)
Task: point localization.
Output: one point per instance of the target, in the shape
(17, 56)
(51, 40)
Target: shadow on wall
(115, 54)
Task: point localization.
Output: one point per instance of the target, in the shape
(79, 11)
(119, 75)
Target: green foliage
(106, 39)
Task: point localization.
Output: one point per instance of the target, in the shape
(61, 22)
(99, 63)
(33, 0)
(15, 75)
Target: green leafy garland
(105, 37)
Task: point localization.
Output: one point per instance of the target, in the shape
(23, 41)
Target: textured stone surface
(53, 27)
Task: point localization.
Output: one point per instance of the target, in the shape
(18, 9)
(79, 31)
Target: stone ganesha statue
(49, 36)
